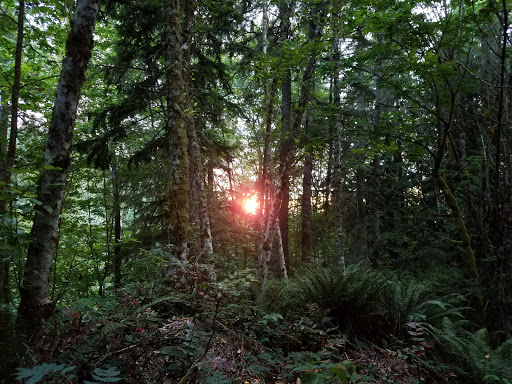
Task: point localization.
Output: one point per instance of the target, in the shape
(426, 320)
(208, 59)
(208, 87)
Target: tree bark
(286, 134)
(315, 31)
(376, 167)
(305, 215)
(361, 236)
(198, 195)
(327, 193)
(117, 228)
(7, 157)
(337, 179)
(280, 253)
(287, 161)
(465, 241)
(197, 185)
(360, 241)
(178, 208)
(35, 304)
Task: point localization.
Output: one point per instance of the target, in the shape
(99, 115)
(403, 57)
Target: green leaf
(49, 167)
(312, 378)
(340, 373)
(67, 369)
(24, 373)
(111, 379)
(47, 208)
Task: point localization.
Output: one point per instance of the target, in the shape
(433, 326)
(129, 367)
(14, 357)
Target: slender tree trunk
(376, 167)
(327, 194)
(361, 236)
(280, 253)
(503, 194)
(337, 178)
(7, 158)
(35, 304)
(360, 242)
(465, 240)
(286, 134)
(287, 163)
(285, 147)
(197, 184)
(210, 186)
(199, 217)
(198, 192)
(315, 32)
(266, 189)
(178, 209)
(376, 211)
(117, 228)
(4, 264)
(307, 182)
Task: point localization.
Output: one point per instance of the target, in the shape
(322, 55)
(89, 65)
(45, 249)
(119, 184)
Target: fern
(412, 302)
(472, 355)
(348, 296)
(38, 372)
(109, 375)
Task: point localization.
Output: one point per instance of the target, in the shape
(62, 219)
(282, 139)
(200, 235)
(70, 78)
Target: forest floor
(194, 338)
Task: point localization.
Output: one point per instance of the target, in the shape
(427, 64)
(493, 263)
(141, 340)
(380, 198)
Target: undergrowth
(322, 325)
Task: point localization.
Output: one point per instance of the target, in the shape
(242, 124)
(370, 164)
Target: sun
(251, 205)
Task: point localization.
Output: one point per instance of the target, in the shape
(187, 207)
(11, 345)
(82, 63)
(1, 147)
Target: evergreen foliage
(380, 133)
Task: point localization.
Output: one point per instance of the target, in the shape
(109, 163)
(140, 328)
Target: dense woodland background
(373, 139)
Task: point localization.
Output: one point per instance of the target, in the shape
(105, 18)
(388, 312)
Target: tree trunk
(305, 214)
(360, 242)
(35, 304)
(117, 228)
(280, 253)
(376, 211)
(315, 31)
(361, 237)
(286, 162)
(178, 209)
(286, 134)
(376, 167)
(465, 241)
(327, 194)
(197, 185)
(266, 189)
(337, 179)
(7, 157)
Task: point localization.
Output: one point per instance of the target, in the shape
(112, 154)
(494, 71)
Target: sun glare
(251, 205)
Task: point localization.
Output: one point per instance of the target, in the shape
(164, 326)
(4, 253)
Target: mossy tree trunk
(35, 303)
(178, 204)
(455, 213)
(199, 215)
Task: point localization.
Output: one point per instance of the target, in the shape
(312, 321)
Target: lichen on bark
(178, 194)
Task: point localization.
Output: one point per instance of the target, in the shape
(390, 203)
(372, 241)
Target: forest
(256, 191)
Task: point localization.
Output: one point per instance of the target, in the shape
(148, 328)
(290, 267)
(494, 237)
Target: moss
(465, 239)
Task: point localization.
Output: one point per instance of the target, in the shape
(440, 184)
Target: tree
(318, 12)
(8, 152)
(177, 108)
(35, 304)
(337, 181)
